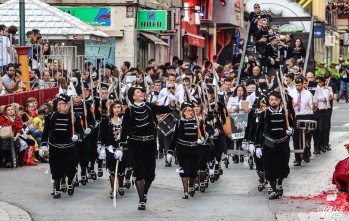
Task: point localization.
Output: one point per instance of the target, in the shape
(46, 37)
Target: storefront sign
(93, 16)
(196, 41)
(152, 20)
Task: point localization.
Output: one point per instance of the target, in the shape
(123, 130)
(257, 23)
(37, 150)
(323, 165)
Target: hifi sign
(152, 20)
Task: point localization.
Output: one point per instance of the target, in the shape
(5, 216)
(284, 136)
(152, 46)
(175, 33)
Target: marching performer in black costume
(185, 141)
(217, 118)
(138, 133)
(83, 148)
(272, 142)
(61, 132)
(109, 137)
(204, 148)
(250, 136)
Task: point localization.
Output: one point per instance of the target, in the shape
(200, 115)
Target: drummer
(303, 105)
(165, 140)
(234, 105)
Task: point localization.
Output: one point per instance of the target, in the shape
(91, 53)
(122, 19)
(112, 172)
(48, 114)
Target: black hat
(275, 94)
(186, 104)
(2, 27)
(64, 97)
(131, 92)
(86, 86)
(210, 89)
(124, 101)
(94, 76)
(272, 37)
(112, 96)
(78, 90)
(256, 5)
(104, 85)
(197, 101)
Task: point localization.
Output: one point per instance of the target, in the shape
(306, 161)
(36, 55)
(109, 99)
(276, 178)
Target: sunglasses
(256, 7)
(171, 88)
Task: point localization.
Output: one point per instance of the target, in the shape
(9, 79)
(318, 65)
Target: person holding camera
(344, 82)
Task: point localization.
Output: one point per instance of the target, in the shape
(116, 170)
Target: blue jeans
(37, 134)
(346, 84)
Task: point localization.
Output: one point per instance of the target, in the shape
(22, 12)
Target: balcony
(331, 18)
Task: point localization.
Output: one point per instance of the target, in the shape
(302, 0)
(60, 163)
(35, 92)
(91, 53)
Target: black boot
(167, 164)
(316, 151)
(235, 159)
(323, 149)
(242, 159)
(328, 147)
(297, 163)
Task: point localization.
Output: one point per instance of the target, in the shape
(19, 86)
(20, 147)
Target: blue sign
(319, 31)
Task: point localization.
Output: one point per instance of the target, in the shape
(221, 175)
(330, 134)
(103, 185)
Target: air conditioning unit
(171, 20)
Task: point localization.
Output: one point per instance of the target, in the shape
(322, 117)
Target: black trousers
(83, 153)
(142, 157)
(62, 163)
(298, 136)
(319, 138)
(93, 148)
(276, 161)
(204, 157)
(164, 142)
(219, 146)
(328, 126)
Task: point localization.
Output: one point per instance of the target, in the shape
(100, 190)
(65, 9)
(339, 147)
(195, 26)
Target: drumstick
(115, 181)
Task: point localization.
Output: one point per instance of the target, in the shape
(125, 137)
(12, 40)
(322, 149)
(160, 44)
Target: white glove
(244, 145)
(216, 133)
(118, 154)
(99, 148)
(259, 152)
(87, 131)
(110, 149)
(171, 97)
(102, 153)
(289, 131)
(211, 172)
(206, 136)
(44, 148)
(251, 148)
(41, 152)
(169, 157)
(200, 141)
(75, 138)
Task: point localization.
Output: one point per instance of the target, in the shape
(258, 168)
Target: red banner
(41, 95)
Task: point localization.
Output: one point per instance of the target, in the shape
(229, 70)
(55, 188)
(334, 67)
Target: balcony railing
(331, 18)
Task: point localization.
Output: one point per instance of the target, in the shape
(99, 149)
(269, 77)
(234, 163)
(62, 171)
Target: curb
(10, 212)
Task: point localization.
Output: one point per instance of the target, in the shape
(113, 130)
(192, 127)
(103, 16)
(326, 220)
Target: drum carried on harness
(167, 124)
(307, 125)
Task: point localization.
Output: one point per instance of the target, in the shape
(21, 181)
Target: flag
(237, 42)
(71, 89)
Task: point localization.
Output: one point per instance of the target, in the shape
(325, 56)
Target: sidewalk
(13, 213)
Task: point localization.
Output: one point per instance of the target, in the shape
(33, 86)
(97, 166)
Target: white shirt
(5, 57)
(306, 102)
(322, 98)
(235, 104)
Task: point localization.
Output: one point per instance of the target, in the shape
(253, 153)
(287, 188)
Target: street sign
(152, 20)
(319, 31)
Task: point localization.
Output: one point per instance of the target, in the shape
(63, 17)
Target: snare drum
(307, 125)
(167, 124)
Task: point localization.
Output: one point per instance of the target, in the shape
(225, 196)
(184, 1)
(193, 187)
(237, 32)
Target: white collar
(138, 104)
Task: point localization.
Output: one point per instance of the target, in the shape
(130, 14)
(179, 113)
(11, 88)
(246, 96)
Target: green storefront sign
(93, 16)
(152, 20)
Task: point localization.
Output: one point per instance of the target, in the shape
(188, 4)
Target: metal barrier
(87, 63)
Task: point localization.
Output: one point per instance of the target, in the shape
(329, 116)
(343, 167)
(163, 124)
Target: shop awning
(52, 22)
(153, 39)
(196, 40)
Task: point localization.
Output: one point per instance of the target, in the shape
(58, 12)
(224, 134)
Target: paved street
(233, 197)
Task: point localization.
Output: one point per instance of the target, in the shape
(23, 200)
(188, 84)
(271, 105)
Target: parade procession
(177, 110)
